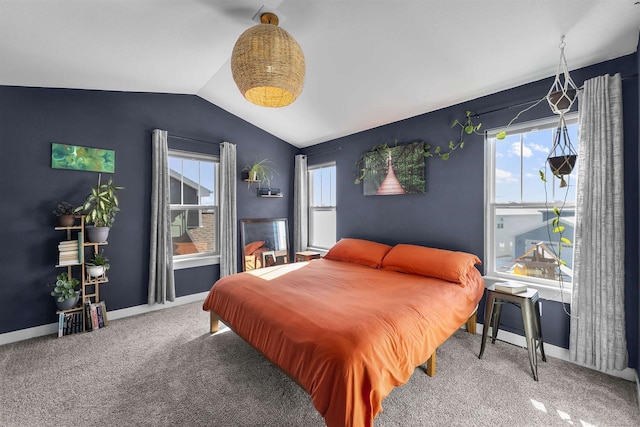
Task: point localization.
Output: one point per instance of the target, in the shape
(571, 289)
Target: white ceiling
(368, 62)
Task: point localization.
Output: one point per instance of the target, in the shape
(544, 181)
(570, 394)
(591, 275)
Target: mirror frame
(277, 258)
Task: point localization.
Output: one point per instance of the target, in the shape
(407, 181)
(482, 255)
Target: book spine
(87, 314)
(67, 326)
(80, 321)
(94, 317)
(100, 318)
(105, 319)
(80, 247)
(60, 324)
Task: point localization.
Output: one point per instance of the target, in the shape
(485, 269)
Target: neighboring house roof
(204, 191)
(570, 221)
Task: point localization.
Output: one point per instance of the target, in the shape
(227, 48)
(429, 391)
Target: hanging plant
(467, 127)
(557, 229)
(361, 169)
(503, 133)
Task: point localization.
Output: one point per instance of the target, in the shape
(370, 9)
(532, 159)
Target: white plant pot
(95, 270)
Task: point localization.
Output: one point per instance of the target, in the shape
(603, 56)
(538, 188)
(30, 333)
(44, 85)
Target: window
(194, 208)
(521, 244)
(322, 206)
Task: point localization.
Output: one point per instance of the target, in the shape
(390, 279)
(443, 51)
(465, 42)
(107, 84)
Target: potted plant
(97, 265)
(261, 172)
(65, 211)
(65, 291)
(100, 208)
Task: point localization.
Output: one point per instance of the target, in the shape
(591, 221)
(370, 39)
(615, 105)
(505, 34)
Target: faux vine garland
(467, 127)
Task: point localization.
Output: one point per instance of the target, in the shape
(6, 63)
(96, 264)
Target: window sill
(322, 251)
(549, 293)
(179, 264)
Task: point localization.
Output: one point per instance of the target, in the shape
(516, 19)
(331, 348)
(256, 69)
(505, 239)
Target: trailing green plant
(361, 169)
(556, 228)
(467, 127)
(101, 205)
(64, 208)
(503, 133)
(65, 288)
(99, 259)
(261, 171)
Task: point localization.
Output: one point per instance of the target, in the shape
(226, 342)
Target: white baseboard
(638, 388)
(628, 374)
(52, 328)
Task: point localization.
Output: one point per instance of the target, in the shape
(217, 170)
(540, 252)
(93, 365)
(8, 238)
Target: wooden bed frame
(430, 367)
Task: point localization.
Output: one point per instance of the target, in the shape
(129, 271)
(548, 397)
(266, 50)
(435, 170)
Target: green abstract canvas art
(74, 157)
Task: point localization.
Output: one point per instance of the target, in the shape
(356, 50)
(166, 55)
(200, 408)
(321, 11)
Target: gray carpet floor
(164, 369)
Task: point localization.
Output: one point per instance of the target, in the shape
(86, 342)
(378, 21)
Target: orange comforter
(347, 333)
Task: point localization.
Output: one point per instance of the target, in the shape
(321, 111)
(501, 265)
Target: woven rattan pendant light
(267, 64)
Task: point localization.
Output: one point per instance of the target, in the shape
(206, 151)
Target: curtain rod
(324, 151)
(170, 135)
(522, 104)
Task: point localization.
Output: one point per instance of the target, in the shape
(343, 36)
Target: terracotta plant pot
(562, 165)
(66, 220)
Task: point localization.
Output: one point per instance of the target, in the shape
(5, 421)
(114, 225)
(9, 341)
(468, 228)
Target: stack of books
(70, 323)
(510, 287)
(70, 251)
(96, 315)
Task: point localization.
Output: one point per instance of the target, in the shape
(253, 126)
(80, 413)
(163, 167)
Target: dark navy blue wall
(637, 281)
(451, 213)
(32, 118)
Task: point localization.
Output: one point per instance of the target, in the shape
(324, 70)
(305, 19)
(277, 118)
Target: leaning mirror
(265, 242)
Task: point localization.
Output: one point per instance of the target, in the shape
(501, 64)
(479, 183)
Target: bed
(351, 326)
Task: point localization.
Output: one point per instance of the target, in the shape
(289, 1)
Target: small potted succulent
(66, 291)
(65, 212)
(97, 265)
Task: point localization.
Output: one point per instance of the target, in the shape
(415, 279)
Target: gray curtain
(228, 210)
(597, 312)
(161, 284)
(300, 204)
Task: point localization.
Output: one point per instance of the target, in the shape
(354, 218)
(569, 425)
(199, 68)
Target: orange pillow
(252, 247)
(439, 263)
(357, 251)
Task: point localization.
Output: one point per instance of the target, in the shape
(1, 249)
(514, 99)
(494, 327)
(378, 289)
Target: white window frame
(312, 208)
(198, 260)
(546, 289)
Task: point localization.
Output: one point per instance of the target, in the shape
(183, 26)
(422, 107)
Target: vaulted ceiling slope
(369, 62)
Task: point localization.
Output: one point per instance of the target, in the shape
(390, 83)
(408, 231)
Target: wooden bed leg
(213, 322)
(471, 323)
(431, 365)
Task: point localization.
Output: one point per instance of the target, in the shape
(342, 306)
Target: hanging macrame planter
(561, 96)
(562, 157)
